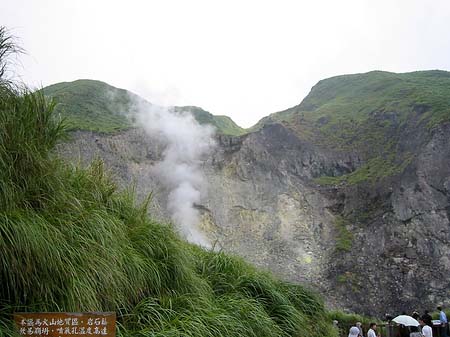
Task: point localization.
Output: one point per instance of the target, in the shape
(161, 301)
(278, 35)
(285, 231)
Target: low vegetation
(371, 172)
(344, 237)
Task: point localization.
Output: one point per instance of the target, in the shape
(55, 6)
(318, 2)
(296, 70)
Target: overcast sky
(244, 59)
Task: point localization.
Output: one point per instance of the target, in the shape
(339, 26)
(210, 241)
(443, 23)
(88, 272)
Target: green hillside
(349, 101)
(372, 114)
(398, 97)
(97, 106)
(223, 124)
(91, 105)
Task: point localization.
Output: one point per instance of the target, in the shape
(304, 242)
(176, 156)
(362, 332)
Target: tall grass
(70, 241)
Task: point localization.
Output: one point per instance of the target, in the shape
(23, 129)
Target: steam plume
(186, 143)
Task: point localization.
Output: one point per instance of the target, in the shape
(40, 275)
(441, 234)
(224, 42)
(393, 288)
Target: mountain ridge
(324, 86)
(97, 106)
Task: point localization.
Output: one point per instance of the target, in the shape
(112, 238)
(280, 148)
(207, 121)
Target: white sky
(244, 59)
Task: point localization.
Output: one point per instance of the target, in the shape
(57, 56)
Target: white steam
(186, 145)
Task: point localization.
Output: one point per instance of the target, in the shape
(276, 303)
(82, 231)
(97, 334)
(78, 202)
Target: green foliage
(373, 171)
(91, 105)
(223, 124)
(97, 106)
(8, 48)
(344, 108)
(26, 135)
(342, 278)
(344, 238)
(291, 308)
(349, 318)
(70, 241)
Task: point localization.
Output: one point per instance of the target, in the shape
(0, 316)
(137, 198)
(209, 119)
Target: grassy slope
(91, 105)
(70, 241)
(223, 124)
(368, 113)
(97, 106)
(355, 99)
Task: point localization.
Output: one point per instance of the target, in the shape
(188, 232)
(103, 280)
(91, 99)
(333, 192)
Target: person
(426, 329)
(443, 319)
(442, 315)
(427, 318)
(415, 331)
(359, 326)
(372, 329)
(354, 332)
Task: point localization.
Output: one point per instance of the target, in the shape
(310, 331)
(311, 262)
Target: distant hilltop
(98, 106)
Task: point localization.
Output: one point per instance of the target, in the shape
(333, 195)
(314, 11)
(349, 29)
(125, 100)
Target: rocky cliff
(349, 191)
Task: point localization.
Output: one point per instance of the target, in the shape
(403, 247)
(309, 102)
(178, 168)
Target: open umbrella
(406, 320)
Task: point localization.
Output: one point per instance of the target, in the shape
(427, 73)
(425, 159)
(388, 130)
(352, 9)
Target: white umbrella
(406, 320)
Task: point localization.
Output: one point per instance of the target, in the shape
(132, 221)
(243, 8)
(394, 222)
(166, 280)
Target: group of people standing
(425, 329)
(357, 331)
(426, 324)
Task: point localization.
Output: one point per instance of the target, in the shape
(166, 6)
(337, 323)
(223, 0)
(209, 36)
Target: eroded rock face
(263, 203)
(400, 257)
